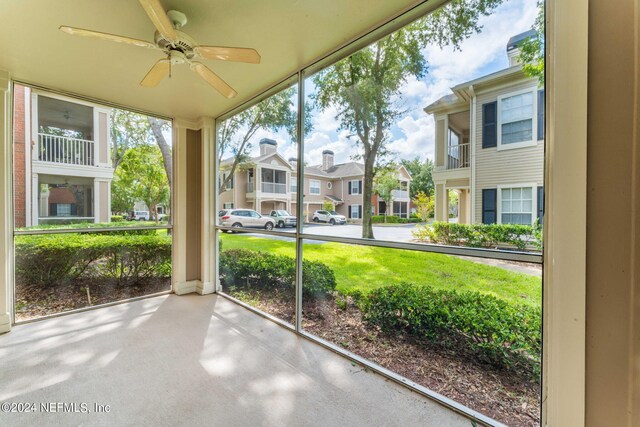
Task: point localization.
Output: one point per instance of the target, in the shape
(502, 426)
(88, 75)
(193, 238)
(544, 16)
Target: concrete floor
(193, 360)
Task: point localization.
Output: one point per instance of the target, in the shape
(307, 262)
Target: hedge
(91, 225)
(392, 219)
(480, 235)
(490, 329)
(60, 258)
(246, 268)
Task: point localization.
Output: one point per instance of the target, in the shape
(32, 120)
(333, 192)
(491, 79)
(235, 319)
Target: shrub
(117, 218)
(490, 329)
(480, 235)
(52, 259)
(57, 258)
(128, 258)
(247, 268)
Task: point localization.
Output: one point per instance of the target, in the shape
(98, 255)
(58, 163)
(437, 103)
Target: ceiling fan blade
(213, 79)
(106, 36)
(160, 19)
(158, 72)
(237, 54)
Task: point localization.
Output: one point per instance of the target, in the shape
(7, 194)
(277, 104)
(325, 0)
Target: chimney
(268, 146)
(327, 159)
(293, 161)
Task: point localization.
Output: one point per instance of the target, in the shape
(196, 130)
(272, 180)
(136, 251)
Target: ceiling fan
(178, 47)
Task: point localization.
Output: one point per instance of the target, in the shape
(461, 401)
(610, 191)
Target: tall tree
(129, 129)
(235, 134)
(385, 182)
(365, 87)
(141, 173)
(157, 127)
(532, 48)
(421, 176)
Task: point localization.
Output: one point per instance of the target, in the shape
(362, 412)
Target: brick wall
(19, 178)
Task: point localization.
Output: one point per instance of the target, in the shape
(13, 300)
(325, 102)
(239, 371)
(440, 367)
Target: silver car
(245, 218)
(332, 217)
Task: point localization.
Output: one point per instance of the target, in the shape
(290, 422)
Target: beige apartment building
(489, 146)
(62, 163)
(269, 181)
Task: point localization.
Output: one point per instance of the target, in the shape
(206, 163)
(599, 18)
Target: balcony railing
(273, 187)
(250, 187)
(60, 149)
(400, 194)
(458, 156)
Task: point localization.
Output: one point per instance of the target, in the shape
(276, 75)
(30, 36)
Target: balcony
(64, 150)
(399, 194)
(458, 156)
(250, 187)
(274, 188)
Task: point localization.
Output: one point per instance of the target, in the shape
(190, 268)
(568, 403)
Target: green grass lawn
(367, 267)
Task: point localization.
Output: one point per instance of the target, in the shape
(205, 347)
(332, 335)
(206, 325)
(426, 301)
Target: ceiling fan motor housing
(184, 44)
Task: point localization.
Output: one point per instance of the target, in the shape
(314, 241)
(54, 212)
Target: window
(294, 185)
(64, 209)
(516, 205)
(355, 211)
(329, 185)
(228, 206)
(314, 187)
(516, 118)
(355, 187)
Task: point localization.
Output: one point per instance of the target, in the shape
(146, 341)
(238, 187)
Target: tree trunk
(165, 148)
(367, 227)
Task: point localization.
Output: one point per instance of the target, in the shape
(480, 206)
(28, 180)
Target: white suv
(332, 217)
(245, 218)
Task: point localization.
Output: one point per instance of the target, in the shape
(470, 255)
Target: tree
(421, 176)
(328, 206)
(425, 206)
(384, 184)
(157, 127)
(234, 135)
(142, 176)
(129, 129)
(532, 49)
(365, 87)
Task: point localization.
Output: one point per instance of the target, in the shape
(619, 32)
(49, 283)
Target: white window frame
(357, 215)
(227, 205)
(534, 199)
(534, 120)
(357, 185)
(312, 186)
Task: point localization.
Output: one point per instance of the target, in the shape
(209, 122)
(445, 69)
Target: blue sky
(413, 135)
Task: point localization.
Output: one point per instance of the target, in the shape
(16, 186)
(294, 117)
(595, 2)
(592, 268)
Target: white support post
(6, 218)
(209, 195)
(96, 200)
(34, 212)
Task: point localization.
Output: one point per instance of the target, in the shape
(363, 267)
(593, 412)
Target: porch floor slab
(192, 360)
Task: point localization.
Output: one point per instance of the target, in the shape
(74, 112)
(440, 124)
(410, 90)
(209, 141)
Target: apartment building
(62, 164)
(269, 181)
(489, 146)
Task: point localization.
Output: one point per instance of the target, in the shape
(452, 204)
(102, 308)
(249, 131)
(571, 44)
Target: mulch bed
(33, 301)
(509, 397)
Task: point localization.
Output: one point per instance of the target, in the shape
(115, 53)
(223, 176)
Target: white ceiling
(288, 34)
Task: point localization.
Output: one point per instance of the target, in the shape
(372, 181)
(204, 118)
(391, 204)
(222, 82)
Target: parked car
(332, 217)
(140, 216)
(283, 218)
(245, 218)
